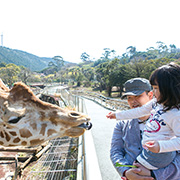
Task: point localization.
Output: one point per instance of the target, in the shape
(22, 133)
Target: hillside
(18, 57)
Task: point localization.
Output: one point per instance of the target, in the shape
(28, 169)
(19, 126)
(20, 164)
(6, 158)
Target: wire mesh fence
(59, 163)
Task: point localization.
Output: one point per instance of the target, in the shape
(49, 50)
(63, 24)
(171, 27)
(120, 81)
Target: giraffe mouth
(86, 125)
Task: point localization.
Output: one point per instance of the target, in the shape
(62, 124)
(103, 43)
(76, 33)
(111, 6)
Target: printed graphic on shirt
(155, 122)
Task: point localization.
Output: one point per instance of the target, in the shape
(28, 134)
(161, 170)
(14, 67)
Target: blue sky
(68, 28)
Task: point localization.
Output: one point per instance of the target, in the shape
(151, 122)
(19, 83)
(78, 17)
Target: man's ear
(150, 94)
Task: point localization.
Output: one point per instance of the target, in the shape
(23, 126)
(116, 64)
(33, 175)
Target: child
(161, 136)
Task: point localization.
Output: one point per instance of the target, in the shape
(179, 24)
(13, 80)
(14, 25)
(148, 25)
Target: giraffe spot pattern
(23, 143)
(42, 115)
(16, 140)
(7, 136)
(51, 131)
(36, 141)
(43, 128)
(13, 133)
(25, 133)
(34, 126)
(1, 134)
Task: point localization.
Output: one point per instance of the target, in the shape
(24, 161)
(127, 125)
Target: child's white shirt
(163, 127)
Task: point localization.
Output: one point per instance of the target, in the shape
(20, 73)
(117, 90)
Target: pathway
(102, 132)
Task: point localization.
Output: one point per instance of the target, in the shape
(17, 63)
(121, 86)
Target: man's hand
(111, 115)
(139, 173)
(152, 146)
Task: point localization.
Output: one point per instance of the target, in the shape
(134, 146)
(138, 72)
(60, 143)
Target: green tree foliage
(131, 50)
(57, 63)
(22, 58)
(107, 53)
(36, 78)
(132, 64)
(2, 64)
(24, 74)
(85, 57)
(103, 74)
(9, 74)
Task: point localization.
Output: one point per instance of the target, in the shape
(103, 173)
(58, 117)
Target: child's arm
(111, 115)
(132, 113)
(128, 114)
(135, 112)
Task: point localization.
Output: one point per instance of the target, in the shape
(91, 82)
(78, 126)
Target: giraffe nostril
(74, 114)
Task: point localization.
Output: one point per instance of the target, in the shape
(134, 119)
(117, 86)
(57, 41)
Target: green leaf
(121, 165)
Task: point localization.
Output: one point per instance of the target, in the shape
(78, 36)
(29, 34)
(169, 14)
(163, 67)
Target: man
(126, 139)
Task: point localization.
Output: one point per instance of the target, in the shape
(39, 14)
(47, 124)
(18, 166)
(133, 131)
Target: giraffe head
(25, 120)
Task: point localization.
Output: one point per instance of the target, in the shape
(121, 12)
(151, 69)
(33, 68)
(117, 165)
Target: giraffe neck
(32, 134)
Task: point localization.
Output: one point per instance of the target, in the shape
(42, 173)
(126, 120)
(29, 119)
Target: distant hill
(18, 57)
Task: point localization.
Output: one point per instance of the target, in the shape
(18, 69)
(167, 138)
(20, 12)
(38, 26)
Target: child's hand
(111, 115)
(152, 146)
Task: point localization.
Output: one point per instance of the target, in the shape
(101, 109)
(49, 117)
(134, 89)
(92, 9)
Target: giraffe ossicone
(25, 120)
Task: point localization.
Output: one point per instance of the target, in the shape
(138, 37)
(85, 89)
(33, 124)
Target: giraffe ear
(20, 91)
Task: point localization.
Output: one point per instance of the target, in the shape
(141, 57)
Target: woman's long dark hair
(167, 77)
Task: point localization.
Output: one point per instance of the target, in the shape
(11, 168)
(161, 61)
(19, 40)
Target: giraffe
(25, 120)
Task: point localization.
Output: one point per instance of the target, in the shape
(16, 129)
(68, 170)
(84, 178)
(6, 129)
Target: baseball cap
(136, 86)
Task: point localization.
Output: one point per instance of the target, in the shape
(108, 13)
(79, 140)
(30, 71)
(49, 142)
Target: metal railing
(109, 103)
(73, 101)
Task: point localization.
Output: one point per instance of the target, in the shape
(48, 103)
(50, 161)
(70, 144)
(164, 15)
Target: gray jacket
(126, 146)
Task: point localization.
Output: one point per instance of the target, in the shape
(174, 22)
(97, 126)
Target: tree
(24, 74)
(88, 72)
(172, 48)
(72, 75)
(100, 72)
(78, 76)
(107, 53)
(162, 48)
(9, 74)
(84, 57)
(36, 78)
(57, 64)
(124, 59)
(107, 75)
(131, 50)
(3, 64)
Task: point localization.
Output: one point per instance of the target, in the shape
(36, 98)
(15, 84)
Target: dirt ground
(7, 168)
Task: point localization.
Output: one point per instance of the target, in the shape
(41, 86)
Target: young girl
(161, 136)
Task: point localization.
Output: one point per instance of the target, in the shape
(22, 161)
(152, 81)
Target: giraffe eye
(14, 119)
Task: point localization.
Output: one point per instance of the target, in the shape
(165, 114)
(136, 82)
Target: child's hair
(167, 77)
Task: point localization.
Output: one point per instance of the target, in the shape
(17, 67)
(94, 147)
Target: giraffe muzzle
(86, 125)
